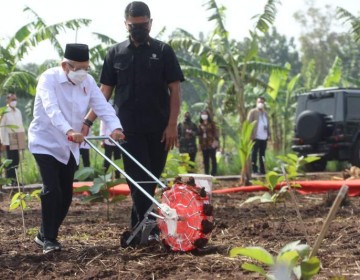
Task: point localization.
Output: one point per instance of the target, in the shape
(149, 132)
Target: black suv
(328, 126)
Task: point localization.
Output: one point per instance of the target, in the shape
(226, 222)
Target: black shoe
(154, 238)
(51, 245)
(39, 239)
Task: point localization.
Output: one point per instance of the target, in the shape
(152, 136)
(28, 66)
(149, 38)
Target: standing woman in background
(208, 142)
(12, 136)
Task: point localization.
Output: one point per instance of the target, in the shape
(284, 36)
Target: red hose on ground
(307, 187)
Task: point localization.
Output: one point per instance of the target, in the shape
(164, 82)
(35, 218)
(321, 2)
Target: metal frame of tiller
(147, 224)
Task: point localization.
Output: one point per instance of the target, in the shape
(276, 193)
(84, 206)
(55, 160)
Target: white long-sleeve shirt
(60, 106)
(10, 117)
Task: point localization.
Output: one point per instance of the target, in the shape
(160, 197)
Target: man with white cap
(63, 96)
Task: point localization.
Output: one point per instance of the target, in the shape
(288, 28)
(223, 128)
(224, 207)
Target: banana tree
(25, 39)
(237, 68)
(354, 21)
(282, 107)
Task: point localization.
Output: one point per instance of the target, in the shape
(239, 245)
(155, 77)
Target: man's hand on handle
(117, 134)
(75, 137)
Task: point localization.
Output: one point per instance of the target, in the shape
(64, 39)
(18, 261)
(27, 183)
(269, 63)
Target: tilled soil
(91, 245)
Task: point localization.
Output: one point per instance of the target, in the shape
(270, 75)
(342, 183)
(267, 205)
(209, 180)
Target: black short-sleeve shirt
(141, 76)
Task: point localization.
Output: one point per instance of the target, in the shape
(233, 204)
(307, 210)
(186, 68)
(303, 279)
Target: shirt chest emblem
(154, 57)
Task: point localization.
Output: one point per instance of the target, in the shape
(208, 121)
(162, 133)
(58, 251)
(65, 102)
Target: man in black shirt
(146, 76)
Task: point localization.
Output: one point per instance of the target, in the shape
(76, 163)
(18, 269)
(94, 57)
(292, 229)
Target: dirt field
(91, 243)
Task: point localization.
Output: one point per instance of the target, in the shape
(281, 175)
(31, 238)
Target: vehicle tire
(316, 166)
(356, 154)
(310, 126)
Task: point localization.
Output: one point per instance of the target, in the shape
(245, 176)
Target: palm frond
(346, 16)
(333, 78)
(104, 39)
(267, 18)
(20, 80)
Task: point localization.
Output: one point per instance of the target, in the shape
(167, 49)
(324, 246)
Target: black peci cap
(77, 52)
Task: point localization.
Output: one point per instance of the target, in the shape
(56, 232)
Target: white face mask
(13, 104)
(77, 77)
(260, 105)
(204, 117)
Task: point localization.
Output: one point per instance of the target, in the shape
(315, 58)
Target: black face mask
(187, 119)
(139, 34)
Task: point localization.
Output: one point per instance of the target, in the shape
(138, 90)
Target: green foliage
(245, 143)
(228, 163)
(292, 261)
(291, 163)
(267, 18)
(272, 179)
(28, 172)
(4, 164)
(176, 164)
(100, 191)
(19, 199)
(244, 149)
(354, 21)
(333, 78)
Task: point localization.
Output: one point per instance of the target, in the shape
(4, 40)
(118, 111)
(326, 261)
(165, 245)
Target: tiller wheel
(194, 217)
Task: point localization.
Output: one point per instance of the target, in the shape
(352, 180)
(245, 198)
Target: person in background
(187, 133)
(85, 154)
(208, 142)
(63, 96)
(12, 136)
(111, 150)
(260, 135)
(145, 75)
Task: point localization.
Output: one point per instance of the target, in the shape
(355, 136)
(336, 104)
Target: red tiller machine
(184, 215)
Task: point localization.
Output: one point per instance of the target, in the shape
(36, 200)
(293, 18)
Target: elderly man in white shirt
(63, 96)
(12, 129)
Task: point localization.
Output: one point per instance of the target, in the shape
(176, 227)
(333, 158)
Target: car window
(322, 105)
(353, 108)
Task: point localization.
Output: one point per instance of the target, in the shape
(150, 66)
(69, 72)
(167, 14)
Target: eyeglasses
(140, 25)
(87, 69)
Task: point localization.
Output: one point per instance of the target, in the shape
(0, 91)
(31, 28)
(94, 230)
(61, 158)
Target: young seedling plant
(100, 190)
(292, 262)
(290, 165)
(20, 199)
(244, 150)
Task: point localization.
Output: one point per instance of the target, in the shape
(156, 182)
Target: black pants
(10, 170)
(258, 153)
(210, 155)
(85, 155)
(57, 192)
(112, 152)
(192, 156)
(150, 152)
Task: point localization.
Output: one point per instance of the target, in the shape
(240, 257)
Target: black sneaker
(154, 238)
(51, 245)
(39, 239)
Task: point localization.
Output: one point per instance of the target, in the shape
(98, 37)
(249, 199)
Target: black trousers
(150, 152)
(258, 153)
(85, 155)
(56, 194)
(210, 155)
(192, 156)
(10, 170)
(112, 152)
